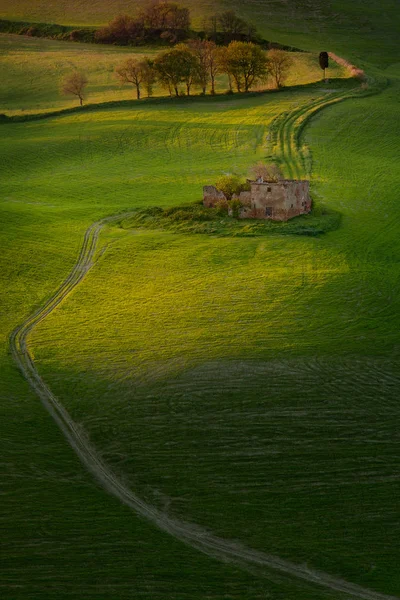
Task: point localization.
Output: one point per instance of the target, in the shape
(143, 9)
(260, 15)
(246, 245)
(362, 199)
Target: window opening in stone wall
(269, 189)
(268, 211)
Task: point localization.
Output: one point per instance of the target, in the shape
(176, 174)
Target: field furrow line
(287, 132)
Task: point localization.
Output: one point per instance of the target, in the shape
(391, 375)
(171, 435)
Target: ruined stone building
(276, 200)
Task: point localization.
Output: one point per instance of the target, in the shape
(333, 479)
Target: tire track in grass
(287, 132)
(190, 534)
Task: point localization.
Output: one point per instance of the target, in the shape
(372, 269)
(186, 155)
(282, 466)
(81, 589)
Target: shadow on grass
(332, 85)
(195, 218)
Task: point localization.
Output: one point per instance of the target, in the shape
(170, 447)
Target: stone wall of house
(212, 196)
(243, 197)
(278, 201)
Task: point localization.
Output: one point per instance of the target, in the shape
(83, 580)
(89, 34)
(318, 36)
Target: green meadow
(246, 385)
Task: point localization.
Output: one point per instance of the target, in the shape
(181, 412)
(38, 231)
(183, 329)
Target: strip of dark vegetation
(51, 31)
(90, 35)
(195, 218)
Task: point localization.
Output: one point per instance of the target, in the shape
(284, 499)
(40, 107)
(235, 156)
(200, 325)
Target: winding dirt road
(190, 534)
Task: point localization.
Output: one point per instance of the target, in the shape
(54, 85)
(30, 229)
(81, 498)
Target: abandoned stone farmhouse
(276, 200)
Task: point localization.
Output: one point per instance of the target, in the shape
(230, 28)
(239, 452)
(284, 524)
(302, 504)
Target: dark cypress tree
(324, 62)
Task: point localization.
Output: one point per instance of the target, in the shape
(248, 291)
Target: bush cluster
(194, 218)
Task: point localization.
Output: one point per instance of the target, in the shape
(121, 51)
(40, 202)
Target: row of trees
(169, 21)
(158, 20)
(199, 62)
(196, 63)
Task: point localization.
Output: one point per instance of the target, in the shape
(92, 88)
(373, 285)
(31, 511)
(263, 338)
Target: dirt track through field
(190, 534)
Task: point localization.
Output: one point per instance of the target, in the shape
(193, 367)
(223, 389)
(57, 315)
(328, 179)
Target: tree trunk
(213, 85)
(138, 91)
(188, 89)
(204, 89)
(176, 91)
(81, 100)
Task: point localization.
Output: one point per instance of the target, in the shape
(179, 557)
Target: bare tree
(170, 18)
(214, 64)
(122, 30)
(130, 71)
(207, 67)
(74, 84)
(231, 24)
(279, 64)
(210, 26)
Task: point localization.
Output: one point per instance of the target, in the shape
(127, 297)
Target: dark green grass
(194, 218)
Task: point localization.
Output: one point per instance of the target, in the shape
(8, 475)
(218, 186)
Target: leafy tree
(189, 67)
(74, 84)
(231, 184)
(176, 66)
(131, 71)
(279, 64)
(246, 64)
(149, 75)
(324, 62)
(235, 207)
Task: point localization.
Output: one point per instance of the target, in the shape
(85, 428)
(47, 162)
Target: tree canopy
(176, 66)
(246, 63)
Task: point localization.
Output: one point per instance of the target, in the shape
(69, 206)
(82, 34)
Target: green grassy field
(249, 386)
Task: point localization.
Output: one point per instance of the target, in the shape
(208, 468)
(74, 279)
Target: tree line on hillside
(197, 62)
(161, 20)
